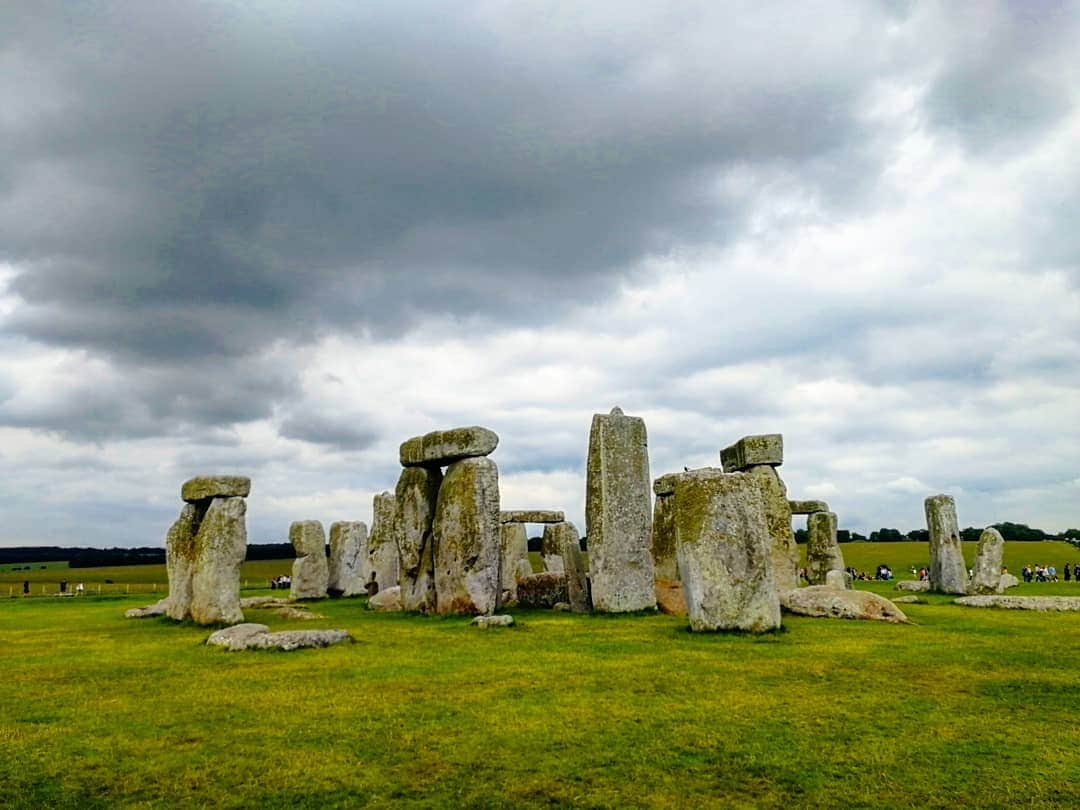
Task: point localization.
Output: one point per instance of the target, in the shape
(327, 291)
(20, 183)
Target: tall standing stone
(986, 577)
(220, 548)
(948, 574)
(382, 542)
(310, 572)
(513, 550)
(724, 551)
(618, 518)
(551, 549)
(348, 553)
(785, 554)
(565, 538)
(665, 564)
(180, 560)
(822, 549)
(416, 497)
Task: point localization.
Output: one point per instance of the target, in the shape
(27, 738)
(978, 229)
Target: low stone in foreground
(159, 608)
(250, 636)
(913, 585)
(485, 622)
(1040, 603)
(821, 601)
(387, 600)
(542, 590)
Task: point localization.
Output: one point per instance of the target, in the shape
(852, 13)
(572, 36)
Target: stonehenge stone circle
(382, 542)
(416, 496)
(466, 531)
(310, 571)
(531, 516)
(724, 551)
(822, 551)
(784, 552)
(205, 487)
(986, 576)
(513, 549)
(807, 507)
(751, 451)
(665, 566)
(948, 573)
(618, 519)
(348, 570)
(443, 447)
(564, 538)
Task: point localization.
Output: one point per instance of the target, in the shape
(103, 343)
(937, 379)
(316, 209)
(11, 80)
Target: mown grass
(963, 708)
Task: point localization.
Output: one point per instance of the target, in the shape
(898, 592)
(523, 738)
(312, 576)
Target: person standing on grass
(1067, 572)
(26, 587)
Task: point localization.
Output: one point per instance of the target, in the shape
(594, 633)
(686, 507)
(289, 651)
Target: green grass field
(961, 708)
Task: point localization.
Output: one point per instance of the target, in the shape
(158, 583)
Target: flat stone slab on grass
(297, 612)
(444, 447)
(252, 636)
(910, 599)
(531, 516)
(387, 600)
(256, 602)
(1040, 603)
(914, 585)
(485, 622)
(159, 608)
(202, 487)
(821, 601)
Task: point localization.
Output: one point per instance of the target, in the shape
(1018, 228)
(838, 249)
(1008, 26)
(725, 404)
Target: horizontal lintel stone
(531, 516)
(753, 451)
(444, 447)
(807, 507)
(202, 487)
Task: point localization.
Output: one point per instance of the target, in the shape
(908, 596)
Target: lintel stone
(807, 507)
(753, 451)
(444, 447)
(531, 516)
(203, 487)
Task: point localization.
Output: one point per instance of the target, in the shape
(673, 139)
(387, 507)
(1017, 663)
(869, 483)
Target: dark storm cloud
(334, 433)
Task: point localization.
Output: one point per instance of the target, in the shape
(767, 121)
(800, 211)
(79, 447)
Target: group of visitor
(1049, 573)
(282, 583)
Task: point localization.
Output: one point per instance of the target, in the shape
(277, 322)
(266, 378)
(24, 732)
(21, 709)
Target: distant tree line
(103, 557)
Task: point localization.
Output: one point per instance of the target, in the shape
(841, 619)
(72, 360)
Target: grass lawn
(963, 708)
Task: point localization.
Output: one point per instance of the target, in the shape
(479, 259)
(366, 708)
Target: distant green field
(902, 557)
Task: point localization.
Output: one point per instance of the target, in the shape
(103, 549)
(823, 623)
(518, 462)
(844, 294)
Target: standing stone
(785, 554)
(665, 566)
(618, 518)
(948, 574)
(513, 549)
(724, 551)
(348, 553)
(220, 548)
(987, 573)
(551, 549)
(310, 571)
(839, 579)
(566, 539)
(466, 530)
(382, 542)
(416, 496)
(822, 551)
(180, 560)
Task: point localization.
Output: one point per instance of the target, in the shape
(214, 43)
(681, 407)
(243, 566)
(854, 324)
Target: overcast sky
(279, 238)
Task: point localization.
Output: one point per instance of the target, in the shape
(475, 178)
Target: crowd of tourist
(1049, 573)
(282, 583)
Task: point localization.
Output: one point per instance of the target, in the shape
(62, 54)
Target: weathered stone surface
(670, 598)
(839, 579)
(220, 548)
(442, 447)
(916, 585)
(1039, 603)
(784, 552)
(822, 550)
(542, 590)
(665, 484)
(565, 539)
(204, 487)
(484, 622)
(180, 560)
(159, 608)
(259, 637)
(513, 550)
(386, 601)
(910, 599)
(553, 563)
(724, 551)
(807, 507)
(1007, 581)
(466, 531)
(523, 569)
(297, 612)
(310, 571)
(836, 603)
(948, 573)
(561, 607)
(618, 518)
(258, 602)
(348, 558)
(751, 451)
(551, 548)
(416, 496)
(986, 575)
(665, 565)
(531, 516)
(382, 541)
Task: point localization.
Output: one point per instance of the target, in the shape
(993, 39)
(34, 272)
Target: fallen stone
(180, 559)
(916, 585)
(466, 530)
(296, 612)
(386, 601)
(840, 579)
(670, 598)
(383, 559)
(220, 549)
(1007, 581)
(751, 451)
(484, 622)
(807, 507)
(416, 496)
(665, 563)
(159, 608)
(986, 573)
(724, 551)
(204, 487)
(237, 637)
(513, 551)
(258, 637)
(821, 601)
(948, 573)
(256, 602)
(784, 552)
(910, 599)
(347, 566)
(531, 516)
(822, 549)
(1042, 604)
(443, 447)
(310, 571)
(618, 516)
(542, 590)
